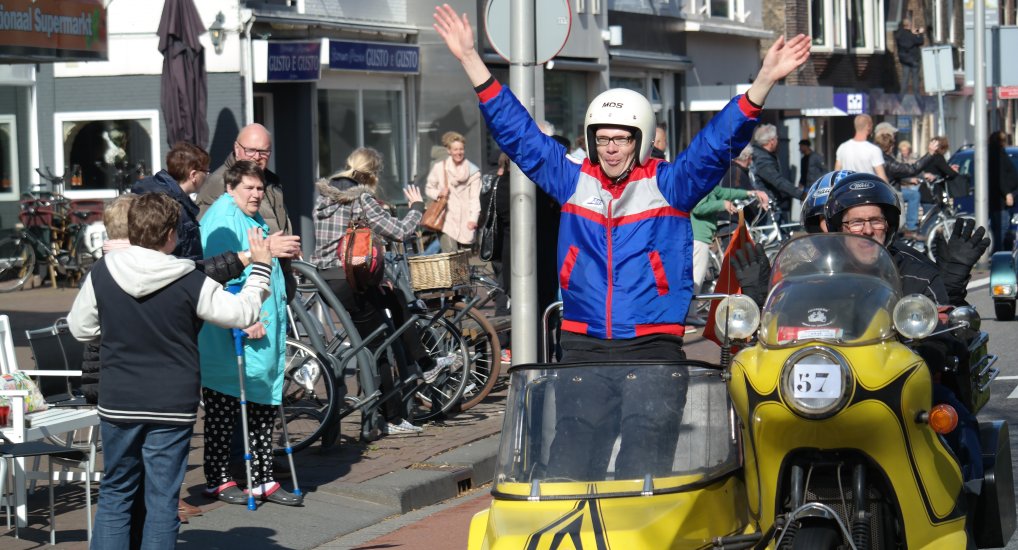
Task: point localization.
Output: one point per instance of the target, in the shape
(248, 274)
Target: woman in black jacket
(902, 177)
(1003, 184)
(937, 168)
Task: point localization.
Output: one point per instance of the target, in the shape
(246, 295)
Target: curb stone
(440, 478)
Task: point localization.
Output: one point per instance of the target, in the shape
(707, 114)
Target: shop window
(565, 102)
(348, 119)
(9, 180)
(629, 83)
(102, 153)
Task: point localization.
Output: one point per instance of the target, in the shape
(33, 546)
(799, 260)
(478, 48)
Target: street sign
(551, 28)
(999, 41)
(938, 69)
(1007, 92)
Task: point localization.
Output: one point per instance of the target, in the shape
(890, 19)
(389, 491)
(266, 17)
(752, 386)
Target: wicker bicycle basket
(440, 270)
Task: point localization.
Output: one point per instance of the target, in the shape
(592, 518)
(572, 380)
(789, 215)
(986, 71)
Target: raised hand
(966, 246)
(412, 194)
(458, 35)
(258, 246)
(455, 30)
(783, 57)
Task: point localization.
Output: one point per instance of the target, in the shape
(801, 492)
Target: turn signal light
(943, 419)
(1003, 290)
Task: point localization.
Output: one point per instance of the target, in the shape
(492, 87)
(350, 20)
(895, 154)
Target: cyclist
(624, 244)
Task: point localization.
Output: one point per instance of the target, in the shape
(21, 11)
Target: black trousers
(367, 310)
(643, 404)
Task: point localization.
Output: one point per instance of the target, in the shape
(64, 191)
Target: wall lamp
(217, 34)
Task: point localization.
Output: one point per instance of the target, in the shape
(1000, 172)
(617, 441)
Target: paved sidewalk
(348, 487)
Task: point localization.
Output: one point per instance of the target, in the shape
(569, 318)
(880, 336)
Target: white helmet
(622, 108)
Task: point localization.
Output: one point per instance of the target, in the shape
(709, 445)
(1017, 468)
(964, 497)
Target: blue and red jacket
(624, 249)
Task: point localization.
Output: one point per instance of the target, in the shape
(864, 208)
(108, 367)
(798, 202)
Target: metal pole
(525, 316)
(941, 127)
(979, 103)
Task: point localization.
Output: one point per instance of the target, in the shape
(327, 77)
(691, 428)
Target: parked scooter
(843, 445)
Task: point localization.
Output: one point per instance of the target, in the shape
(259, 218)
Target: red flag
(727, 283)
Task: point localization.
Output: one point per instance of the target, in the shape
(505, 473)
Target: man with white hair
(767, 171)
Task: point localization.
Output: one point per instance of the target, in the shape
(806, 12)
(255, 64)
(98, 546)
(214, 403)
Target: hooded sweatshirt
(148, 308)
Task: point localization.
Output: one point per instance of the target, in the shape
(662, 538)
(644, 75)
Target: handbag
(361, 256)
(434, 216)
(489, 232)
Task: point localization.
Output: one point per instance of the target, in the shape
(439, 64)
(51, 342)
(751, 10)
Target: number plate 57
(816, 380)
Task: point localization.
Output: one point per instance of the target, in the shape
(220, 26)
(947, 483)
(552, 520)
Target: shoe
(279, 495)
(431, 375)
(690, 329)
(228, 493)
(908, 234)
(403, 428)
(507, 356)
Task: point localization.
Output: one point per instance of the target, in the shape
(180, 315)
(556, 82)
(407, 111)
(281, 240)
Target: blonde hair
(885, 142)
(115, 216)
(362, 166)
(904, 143)
(449, 138)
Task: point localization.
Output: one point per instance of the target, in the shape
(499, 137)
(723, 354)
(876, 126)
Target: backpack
(361, 255)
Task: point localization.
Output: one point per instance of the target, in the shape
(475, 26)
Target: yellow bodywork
(680, 520)
(924, 476)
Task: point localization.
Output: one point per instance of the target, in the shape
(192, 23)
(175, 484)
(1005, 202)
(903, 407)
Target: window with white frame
(723, 9)
(854, 25)
(99, 153)
(9, 175)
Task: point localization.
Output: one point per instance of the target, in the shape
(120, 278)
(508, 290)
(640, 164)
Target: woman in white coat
(460, 180)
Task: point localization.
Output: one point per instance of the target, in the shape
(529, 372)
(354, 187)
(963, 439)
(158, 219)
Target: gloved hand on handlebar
(753, 271)
(957, 256)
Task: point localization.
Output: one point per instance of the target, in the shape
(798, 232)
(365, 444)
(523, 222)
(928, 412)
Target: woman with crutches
(224, 227)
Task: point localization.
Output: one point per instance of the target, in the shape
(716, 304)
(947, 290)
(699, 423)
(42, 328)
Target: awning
(335, 23)
(649, 60)
(784, 98)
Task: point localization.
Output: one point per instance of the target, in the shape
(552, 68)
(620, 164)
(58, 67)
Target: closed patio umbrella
(184, 96)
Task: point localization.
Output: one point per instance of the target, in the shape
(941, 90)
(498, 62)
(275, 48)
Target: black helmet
(858, 190)
(813, 207)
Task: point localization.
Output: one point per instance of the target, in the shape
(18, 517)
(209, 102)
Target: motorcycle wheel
(816, 536)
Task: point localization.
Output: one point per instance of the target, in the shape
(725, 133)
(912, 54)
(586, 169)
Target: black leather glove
(956, 257)
(753, 271)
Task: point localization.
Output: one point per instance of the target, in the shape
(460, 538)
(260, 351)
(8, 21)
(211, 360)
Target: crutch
(238, 344)
(289, 450)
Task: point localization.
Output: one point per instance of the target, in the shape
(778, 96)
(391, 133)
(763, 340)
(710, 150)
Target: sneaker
(507, 356)
(690, 329)
(431, 375)
(402, 428)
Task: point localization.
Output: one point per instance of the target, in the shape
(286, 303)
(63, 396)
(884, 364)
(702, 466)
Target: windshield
(833, 287)
(613, 429)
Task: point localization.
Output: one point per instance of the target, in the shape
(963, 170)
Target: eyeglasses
(252, 152)
(879, 223)
(619, 141)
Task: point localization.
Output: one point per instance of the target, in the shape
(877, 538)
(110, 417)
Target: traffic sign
(1007, 92)
(551, 28)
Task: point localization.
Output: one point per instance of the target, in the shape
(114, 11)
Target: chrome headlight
(915, 316)
(816, 382)
(737, 317)
(965, 314)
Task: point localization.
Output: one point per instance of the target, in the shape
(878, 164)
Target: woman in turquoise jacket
(224, 227)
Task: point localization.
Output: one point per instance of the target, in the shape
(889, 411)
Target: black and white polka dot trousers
(221, 414)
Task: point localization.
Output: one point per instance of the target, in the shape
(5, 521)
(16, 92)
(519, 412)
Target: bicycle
(331, 373)
(52, 230)
(461, 305)
(938, 220)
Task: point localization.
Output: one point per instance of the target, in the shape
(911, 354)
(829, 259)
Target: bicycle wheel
(485, 355)
(309, 398)
(444, 385)
(17, 263)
